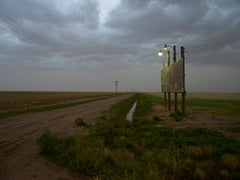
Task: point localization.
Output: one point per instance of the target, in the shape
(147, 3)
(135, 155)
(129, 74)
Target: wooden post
(165, 99)
(164, 93)
(169, 101)
(175, 94)
(183, 91)
(169, 94)
(175, 101)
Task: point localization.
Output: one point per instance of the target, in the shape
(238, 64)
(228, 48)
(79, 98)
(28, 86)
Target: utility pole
(175, 94)
(116, 82)
(184, 90)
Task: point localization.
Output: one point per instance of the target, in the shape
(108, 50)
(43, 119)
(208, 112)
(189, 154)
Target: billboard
(172, 77)
(165, 79)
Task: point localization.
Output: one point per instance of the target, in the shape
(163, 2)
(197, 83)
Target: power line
(23, 31)
(18, 29)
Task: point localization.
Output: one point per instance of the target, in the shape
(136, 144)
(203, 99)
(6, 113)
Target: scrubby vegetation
(80, 122)
(113, 148)
(177, 116)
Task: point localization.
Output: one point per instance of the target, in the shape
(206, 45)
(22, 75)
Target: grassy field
(14, 103)
(214, 96)
(208, 96)
(114, 148)
(226, 104)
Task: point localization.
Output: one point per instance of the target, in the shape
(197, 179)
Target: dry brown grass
(229, 161)
(40, 96)
(20, 101)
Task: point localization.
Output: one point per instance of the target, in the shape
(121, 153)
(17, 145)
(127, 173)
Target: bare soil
(197, 118)
(19, 158)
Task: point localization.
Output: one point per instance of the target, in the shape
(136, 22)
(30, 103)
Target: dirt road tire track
(19, 157)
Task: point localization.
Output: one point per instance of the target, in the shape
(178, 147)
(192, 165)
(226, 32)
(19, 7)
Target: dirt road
(19, 157)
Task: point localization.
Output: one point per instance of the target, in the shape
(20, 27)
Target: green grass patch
(146, 103)
(177, 116)
(114, 148)
(220, 107)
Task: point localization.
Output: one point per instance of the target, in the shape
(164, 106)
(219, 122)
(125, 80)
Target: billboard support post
(169, 94)
(175, 94)
(165, 99)
(184, 90)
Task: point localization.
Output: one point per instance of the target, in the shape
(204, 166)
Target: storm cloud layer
(85, 45)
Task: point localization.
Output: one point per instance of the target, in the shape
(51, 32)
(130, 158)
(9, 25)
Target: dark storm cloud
(45, 11)
(202, 26)
(156, 19)
(46, 21)
(56, 35)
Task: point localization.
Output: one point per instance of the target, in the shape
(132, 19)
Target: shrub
(177, 116)
(208, 150)
(194, 151)
(80, 122)
(224, 174)
(229, 161)
(199, 151)
(199, 173)
(48, 143)
(156, 119)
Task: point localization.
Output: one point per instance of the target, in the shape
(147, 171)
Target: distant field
(217, 96)
(227, 104)
(220, 96)
(17, 102)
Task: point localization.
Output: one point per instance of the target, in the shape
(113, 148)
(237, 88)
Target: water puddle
(131, 112)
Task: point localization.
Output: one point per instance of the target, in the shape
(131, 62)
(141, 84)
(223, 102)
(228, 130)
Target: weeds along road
(19, 158)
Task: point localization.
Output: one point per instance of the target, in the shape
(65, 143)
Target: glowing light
(160, 53)
(165, 47)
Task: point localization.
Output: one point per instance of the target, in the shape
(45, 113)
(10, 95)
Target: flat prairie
(218, 96)
(12, 102)
(207, 95)
(19, 97)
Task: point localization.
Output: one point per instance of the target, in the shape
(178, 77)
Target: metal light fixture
(163, 50)
(160, 53)
(165, 47)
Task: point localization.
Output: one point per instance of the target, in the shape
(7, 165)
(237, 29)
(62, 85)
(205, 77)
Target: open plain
(18, 135)
(19, 153)
(14, 103)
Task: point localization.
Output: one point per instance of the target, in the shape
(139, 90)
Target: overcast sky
(85, 45)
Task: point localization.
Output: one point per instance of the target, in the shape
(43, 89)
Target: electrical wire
(19, 30)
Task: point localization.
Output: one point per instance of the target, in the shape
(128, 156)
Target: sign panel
(165, 79)
(172, 77)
